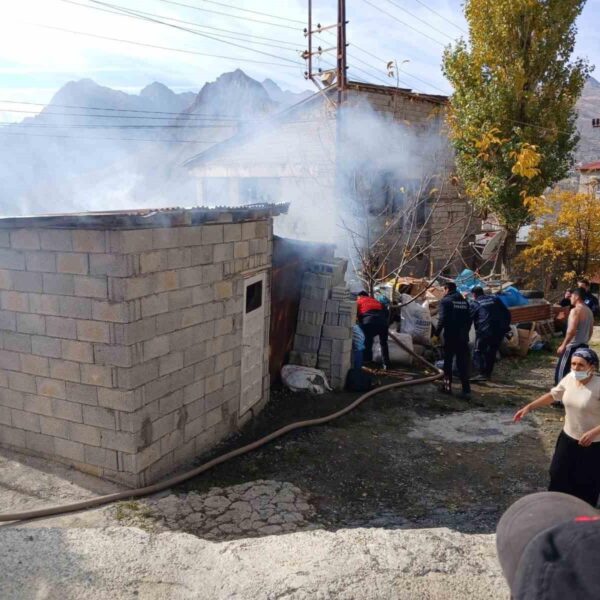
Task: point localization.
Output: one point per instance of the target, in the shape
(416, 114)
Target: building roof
(148, 217)
(388, 89)
(592, 166)
(286, 116)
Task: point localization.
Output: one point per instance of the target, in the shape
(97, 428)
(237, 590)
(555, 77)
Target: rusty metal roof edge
(147, 218)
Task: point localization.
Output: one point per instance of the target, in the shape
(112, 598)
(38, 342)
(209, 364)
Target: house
(341, 169)
(589, 177)
(132, 341)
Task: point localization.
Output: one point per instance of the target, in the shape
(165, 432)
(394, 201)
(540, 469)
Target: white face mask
(580, 375)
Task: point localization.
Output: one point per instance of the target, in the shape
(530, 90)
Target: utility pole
(329, 76)
(341, 50)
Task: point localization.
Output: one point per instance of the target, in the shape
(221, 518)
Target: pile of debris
(324, 329)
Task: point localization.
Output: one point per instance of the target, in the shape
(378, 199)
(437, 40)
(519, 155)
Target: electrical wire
(435, 12)
(79, 126)
(93, 116)
(385, 12)
(198, 25)
(419, 19)
(385, 61)
(168, 48)
(206, 10)
(124, 11)
(256, 12)
(72, 137)
(200, 116)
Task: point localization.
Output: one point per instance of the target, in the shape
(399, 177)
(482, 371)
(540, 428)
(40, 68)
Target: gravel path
(126, 563)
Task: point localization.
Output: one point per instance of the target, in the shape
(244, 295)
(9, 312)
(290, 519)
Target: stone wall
(121, 350)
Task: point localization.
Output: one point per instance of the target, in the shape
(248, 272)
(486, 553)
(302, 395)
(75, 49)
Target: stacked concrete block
(325, 319)
(335, 352)
(121, 349)
(314, 294)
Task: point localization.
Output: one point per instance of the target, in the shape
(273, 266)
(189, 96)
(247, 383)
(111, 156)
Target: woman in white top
(575, 467)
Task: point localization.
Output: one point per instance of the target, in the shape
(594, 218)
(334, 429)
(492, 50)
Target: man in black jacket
(454, 321)
(590, 300)
(492, 323)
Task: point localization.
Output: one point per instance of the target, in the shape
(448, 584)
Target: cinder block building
(133, 341)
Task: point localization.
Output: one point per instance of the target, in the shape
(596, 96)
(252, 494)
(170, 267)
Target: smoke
(75, 160)
(346, 174)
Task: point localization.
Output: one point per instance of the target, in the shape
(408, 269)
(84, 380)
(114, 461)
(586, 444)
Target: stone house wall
(121, 350)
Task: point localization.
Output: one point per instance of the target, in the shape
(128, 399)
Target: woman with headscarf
(575, 467)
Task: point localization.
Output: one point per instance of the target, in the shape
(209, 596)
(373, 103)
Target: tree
(393, 231)
(565, 241)
(511, 117)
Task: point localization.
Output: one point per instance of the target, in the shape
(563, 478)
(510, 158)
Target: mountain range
(95, 148)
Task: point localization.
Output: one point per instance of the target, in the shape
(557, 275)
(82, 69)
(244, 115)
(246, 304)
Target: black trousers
(575, 470)
(563, 366)
(460, 349)
(485, 352)
(372, 328)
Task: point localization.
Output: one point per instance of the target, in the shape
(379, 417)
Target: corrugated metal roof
(148, 217)
(592, 166)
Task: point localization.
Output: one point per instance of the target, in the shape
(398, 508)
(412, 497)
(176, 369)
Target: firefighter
(455, 322)
(492, 323)
(373, 318)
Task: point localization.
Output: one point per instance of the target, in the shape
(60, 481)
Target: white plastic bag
(416, 320)
(299, 379)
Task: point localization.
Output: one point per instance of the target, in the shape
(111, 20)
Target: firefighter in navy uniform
(455, 322)
(492, 323)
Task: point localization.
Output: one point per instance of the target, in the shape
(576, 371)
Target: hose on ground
(173, 481)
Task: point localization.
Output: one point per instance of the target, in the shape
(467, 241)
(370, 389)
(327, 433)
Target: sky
(38, 55)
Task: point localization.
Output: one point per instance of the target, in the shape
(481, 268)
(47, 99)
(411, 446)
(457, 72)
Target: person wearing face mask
(575, 467)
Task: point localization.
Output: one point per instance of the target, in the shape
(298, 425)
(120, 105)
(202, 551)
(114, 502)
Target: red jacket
(366, 304)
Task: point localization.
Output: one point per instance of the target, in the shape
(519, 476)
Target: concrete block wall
(325, 318)
(120, 350)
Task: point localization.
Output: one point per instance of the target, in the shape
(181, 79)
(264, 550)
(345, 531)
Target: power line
(124, 11)
(195, 116)
(373, 67)
(206, 10)
(421, 20)
(80, 126)
(256, 12)
(435, 12)
(403, 22)
(385, 61)
(194, 24)
(93, 116)
(72, 137)
(134, 43)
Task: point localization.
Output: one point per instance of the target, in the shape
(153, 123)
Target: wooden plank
(530, 313)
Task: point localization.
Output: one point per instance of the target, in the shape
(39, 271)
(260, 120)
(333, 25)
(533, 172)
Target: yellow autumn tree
(564, 241)
(511, 117)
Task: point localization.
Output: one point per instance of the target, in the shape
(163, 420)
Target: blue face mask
(580, 375)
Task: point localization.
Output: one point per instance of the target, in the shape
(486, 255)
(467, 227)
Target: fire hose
(173, 481)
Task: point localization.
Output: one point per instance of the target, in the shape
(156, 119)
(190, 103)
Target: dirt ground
(387, 464)
(398, 499)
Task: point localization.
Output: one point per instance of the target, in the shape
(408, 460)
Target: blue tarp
(466, 281)
(511, 296)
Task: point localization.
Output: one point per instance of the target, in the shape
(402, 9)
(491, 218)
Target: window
(595, 122)
(254, 296)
